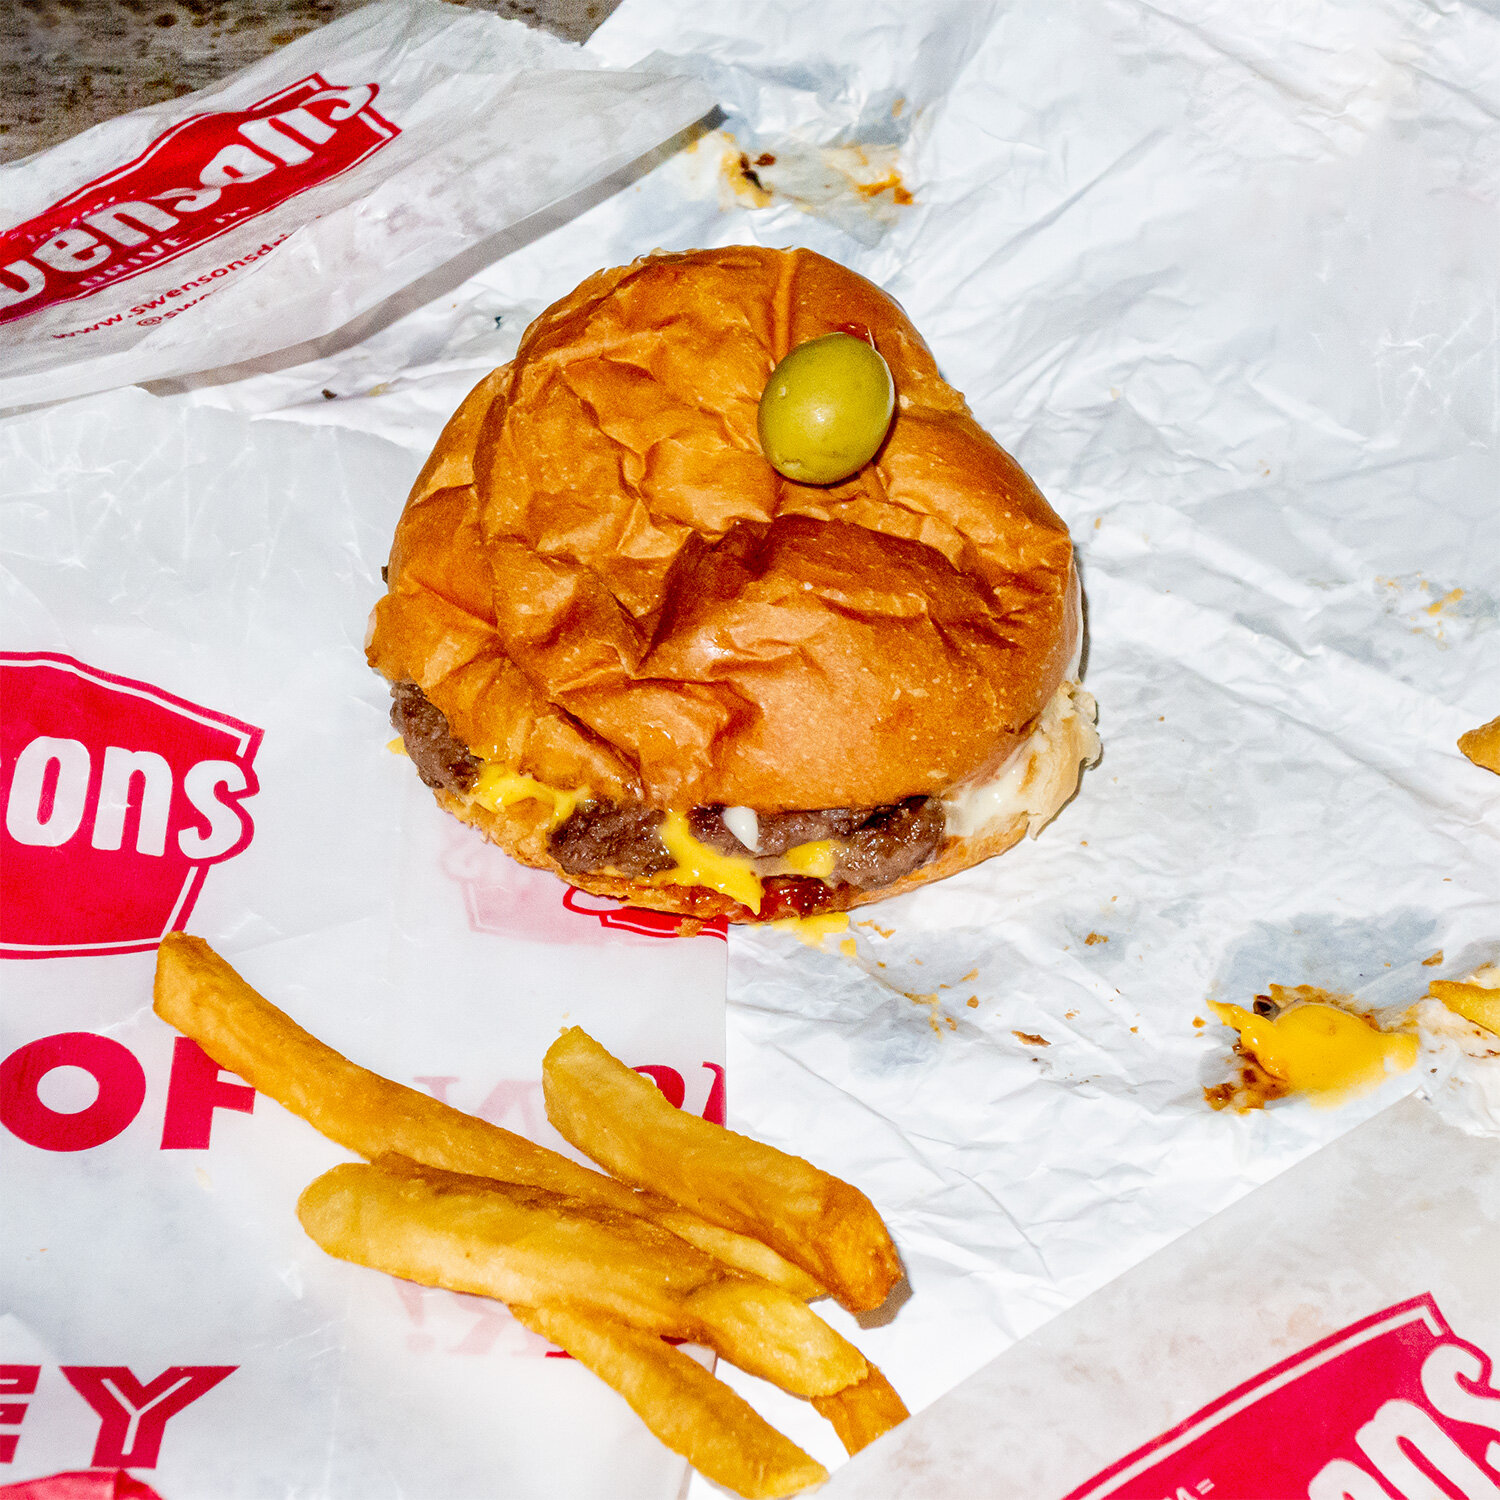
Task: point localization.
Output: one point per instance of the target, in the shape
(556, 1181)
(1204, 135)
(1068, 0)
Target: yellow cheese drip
(1321, 1050)
(812, 930)
(697, 864)
(815, 858)
(499, 786)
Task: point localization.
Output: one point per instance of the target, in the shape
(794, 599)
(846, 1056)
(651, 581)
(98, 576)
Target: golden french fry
(742, 1251)
(533, 1247)
(1482, 745)
(204, 998)
(716, 1430)
(861, 1412)
(622, 1121)
(1474, 1002)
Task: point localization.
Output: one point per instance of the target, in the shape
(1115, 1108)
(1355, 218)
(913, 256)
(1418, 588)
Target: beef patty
(442, 762)
(874, 846)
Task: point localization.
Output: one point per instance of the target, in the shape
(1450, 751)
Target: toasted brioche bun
(601, 581)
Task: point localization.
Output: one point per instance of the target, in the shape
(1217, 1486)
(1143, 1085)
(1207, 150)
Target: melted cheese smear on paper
(1320, 1050)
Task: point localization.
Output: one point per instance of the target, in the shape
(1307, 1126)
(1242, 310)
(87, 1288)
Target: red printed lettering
(194, 1091)
(1403, 1410)
(121, 768)
(15, 1380)
(668, 1080)
(116, 793)
(119, 1077)
(713, 1108)
(1401, 1431)
(206, 175)
(133, 1417)
(49, 789)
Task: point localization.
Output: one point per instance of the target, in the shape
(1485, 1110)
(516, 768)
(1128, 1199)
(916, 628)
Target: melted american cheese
(1321, 1050)
(697, 864)
(500, 786)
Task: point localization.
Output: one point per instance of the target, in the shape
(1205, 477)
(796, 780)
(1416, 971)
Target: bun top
(602, 582)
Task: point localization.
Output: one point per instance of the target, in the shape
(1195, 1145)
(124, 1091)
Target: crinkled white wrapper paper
(1223, 280)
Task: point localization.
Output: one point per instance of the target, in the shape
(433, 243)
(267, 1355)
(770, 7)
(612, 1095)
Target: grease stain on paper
(858, 188)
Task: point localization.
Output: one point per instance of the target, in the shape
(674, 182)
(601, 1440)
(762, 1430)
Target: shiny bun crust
(602, 583)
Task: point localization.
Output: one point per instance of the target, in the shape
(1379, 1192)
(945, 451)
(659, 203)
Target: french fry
(528, 1246)
(862, 1411)
(742, 1251)
(622, 1121)
(1482, 745)
(204, 998)
(1474, 1002)
(694, 1414)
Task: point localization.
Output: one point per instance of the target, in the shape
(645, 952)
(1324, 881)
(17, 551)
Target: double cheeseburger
(630, 651)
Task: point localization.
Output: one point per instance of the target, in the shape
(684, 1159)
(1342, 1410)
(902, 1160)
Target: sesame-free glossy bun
(601, 581)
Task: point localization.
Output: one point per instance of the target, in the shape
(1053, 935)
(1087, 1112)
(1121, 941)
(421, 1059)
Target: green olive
(826, 409)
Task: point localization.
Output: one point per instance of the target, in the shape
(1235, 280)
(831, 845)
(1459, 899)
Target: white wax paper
(233, 564)
(1223, 279)
(1404, 1207)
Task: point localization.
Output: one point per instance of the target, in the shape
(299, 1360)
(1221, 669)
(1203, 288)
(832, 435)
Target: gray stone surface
(67, 64)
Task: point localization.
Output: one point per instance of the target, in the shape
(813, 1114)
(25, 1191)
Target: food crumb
(952, 1023)
(972, 1002)
(1433, 960)
(1094, 939)
(1199, 1021)
(1068, 1015)
(1031, 1039)
(1134, 1030)
(972, 974)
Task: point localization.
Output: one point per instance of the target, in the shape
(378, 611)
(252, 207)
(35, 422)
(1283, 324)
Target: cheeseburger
(630, 650)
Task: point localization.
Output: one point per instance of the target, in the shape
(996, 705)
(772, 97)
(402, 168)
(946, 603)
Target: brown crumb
(1094, 938)
(749, 174)
(1030, 1039)
(1433, 961)
(972, 1002)
(765, 159)
(952, 1023)
(1134, 1030)
(1199, 1021)
(1254, 1089)
(972, 974)
(1068, 1015)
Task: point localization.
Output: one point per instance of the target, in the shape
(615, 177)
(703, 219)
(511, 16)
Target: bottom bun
(522, 829)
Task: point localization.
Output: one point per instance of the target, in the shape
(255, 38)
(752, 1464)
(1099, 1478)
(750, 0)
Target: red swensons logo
(1396, 1405)
(117, 797)
(197, 181)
